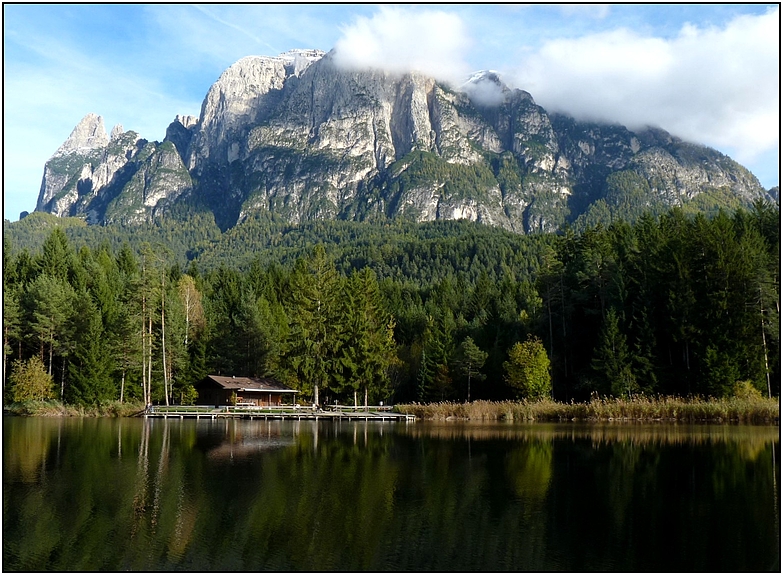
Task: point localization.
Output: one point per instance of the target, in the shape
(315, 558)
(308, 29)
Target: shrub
(746, 390)
(30, 381)
(527, 369)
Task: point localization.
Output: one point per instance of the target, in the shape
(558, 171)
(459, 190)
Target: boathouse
(220, 390)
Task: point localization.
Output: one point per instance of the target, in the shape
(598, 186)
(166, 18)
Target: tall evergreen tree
(368, 350)
(12, 325)
(50, 302)
(612, 359)
(470, 359)
(91, 379)
(313, 345)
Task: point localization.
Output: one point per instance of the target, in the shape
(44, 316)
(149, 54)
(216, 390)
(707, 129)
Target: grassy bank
(734, 410)
(58, 409)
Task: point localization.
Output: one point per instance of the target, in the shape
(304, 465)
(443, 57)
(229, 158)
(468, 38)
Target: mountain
(303, 139)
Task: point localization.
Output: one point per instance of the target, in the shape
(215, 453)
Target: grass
(640, 408)
(59, 409)
(55, 408)
(754, 410)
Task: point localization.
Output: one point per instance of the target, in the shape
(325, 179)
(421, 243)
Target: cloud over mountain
(402, 40)
(719, 85)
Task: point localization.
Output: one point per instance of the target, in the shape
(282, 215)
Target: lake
(233, 495)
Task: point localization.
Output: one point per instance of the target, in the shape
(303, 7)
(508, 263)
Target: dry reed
(59, 409)
(639, 408)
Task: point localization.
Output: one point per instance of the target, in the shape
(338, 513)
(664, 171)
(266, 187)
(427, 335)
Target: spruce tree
(91, 371)
(315, 334)
(612, 360)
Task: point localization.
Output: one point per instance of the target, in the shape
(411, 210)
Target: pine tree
(50, 302)
(612, 360)
(91, 380)
(128, 342)
(470, 361)
(12, 325)
(367, 350)
(56, 258)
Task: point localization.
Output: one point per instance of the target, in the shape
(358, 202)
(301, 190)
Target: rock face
(121, 178)
(300, 137)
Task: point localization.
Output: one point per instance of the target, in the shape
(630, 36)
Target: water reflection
(364, 496)
(529, 469)
(638, 434)
(245, 439)
(24, 454)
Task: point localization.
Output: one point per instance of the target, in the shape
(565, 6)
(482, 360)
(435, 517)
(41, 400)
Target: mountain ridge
(298, 136)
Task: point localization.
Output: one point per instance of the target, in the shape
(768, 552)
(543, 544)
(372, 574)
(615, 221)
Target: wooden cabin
(221, 390)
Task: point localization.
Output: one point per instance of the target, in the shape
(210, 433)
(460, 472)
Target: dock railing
(359, 407)
(242, 408)
(252, 408)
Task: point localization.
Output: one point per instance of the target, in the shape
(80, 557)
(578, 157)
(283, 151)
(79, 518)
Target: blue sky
(707, 73)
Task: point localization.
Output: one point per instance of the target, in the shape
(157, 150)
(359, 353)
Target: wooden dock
(336, 413)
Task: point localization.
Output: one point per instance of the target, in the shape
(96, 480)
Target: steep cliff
(300, 137)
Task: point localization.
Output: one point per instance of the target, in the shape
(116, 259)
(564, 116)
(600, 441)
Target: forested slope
(675, 304)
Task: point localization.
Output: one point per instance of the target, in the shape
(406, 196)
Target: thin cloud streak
(234, 27)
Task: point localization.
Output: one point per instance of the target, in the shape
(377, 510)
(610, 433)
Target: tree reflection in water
(360, 496)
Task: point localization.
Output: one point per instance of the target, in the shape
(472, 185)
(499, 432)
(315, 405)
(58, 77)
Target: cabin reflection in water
(220, 391)
(240, 440)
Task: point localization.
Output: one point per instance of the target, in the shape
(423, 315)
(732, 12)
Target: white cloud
(402, 40)
(484, 89)
(718, 86)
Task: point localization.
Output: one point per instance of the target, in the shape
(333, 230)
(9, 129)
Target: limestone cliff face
(298, 136)
(158, 180)
(83, 165)
(91, 170)
(334, 143)
(58, 187)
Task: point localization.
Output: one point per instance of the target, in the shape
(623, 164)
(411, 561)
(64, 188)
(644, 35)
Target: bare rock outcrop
(301, 137)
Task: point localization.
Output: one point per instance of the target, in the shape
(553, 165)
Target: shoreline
(734, 410)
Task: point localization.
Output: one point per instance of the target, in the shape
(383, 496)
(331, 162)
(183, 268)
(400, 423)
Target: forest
(675, 304)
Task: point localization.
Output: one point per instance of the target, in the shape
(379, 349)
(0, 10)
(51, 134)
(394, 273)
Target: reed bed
(59, 409)
(639, 408)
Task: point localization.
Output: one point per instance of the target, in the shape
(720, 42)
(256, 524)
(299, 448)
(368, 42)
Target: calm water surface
(130, 494)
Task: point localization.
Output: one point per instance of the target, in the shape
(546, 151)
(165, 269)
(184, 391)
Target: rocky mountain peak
(303, 138)
(243, 92)
(297, 61)
(88, 134)
(116, 132)
(186, 120)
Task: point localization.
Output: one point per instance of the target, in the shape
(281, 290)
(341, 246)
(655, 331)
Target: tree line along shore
(674, 306)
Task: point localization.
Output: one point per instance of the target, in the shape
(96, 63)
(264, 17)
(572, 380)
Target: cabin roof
(265, 384)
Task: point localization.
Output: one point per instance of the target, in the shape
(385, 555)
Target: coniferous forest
(675, 304)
